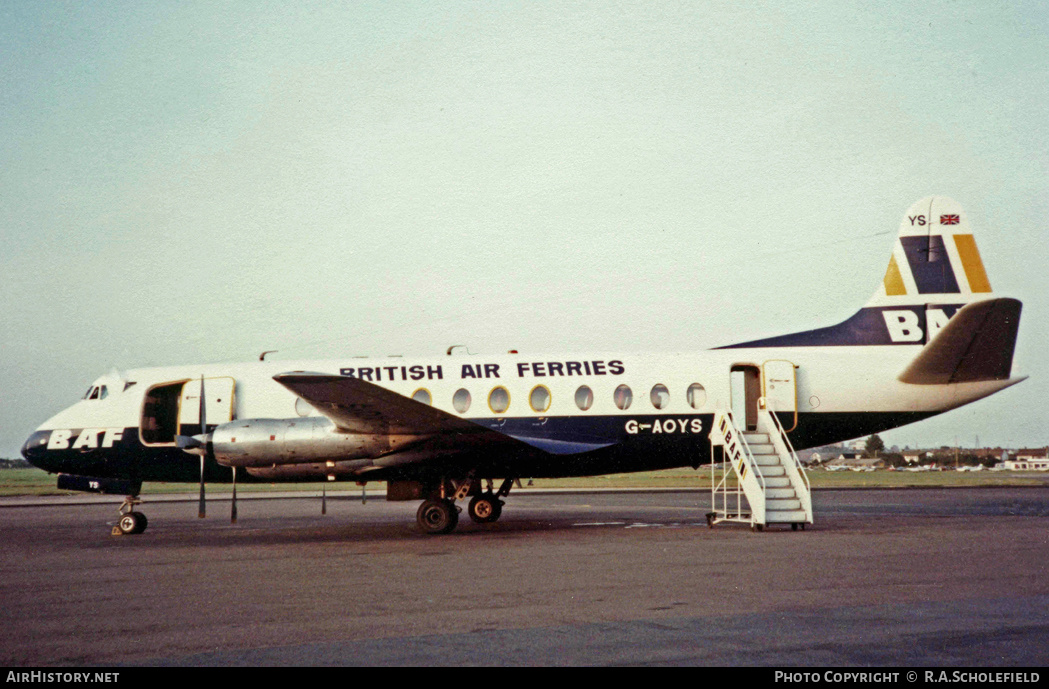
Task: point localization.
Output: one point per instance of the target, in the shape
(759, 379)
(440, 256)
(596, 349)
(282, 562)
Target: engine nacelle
(269, 442)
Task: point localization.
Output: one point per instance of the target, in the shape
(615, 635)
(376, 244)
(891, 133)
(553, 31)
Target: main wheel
(132, 523)
(485, 508)
(437, 516)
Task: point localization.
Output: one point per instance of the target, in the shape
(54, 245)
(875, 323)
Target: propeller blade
(233, 510)
(202, 510)
(203, 408)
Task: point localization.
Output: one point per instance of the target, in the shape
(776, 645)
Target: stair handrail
(766, 405)
(746, 457)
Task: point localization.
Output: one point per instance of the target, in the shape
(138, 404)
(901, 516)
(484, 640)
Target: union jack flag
(949, 220)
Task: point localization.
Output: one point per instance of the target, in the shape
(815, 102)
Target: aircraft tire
(132, 523)
(437, 517)
(485, 508)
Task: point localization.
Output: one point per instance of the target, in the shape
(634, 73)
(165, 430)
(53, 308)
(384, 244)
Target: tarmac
(915, 578)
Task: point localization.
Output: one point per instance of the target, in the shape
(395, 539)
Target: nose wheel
(131, 522)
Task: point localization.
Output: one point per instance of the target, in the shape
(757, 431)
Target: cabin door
(780, 390)
(746, 389)
(219, 407)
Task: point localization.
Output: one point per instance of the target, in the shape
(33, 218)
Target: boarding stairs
(766, 484)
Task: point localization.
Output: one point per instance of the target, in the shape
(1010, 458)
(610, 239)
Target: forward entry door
(219, 403)
(780, 390)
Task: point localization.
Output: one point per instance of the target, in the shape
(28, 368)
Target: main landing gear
(485, 508)
(440, 514)
(437, 516)
(130, 523)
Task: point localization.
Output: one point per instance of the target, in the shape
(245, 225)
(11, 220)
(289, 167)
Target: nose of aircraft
(35, 447)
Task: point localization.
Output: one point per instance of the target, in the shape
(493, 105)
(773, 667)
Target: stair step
(776, 493)
(777, 482)
(761, 448)
(772, 471)
(766, 460)
(751, 437)
(785, 517)
(781, 504)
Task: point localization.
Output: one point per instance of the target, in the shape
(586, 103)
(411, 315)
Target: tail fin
(935, 269)
(934, 260)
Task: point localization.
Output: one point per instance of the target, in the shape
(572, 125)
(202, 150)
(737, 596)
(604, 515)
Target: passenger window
(584, 397)
(499, 400)
(697, 395)
(461, 400)
(539, 399)
(422, 395)
(623, 397)
(660, 396)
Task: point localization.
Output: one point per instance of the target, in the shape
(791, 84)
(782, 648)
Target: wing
(357, 406)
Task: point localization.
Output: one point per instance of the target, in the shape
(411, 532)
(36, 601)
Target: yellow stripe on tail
(971, 262)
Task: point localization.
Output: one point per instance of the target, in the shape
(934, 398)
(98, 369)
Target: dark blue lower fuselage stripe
(675, 442)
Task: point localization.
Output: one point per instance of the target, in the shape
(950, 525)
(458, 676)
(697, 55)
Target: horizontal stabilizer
(976, 344)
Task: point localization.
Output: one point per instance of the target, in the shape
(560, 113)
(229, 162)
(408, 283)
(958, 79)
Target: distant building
(855, 461)
(1036, 459)
(916, 456)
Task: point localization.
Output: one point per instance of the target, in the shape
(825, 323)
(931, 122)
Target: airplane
(439, 430)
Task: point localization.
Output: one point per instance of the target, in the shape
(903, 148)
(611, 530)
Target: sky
(198, 182)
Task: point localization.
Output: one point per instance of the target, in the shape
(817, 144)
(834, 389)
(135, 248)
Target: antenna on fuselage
(262, 357)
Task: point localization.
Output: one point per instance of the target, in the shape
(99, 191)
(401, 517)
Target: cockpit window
(88, 393)
(93, 395)
(102, 393)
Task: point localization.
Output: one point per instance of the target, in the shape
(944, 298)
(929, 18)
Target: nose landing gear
(130, 523)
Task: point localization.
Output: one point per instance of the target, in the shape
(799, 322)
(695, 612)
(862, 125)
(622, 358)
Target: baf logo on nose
(87, 439)
(904, 325)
